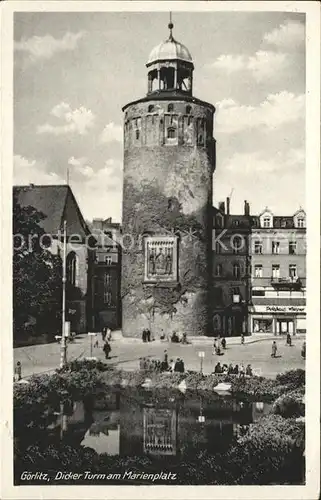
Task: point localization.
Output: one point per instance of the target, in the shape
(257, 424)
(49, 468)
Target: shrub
(293, 378)
(290, 405)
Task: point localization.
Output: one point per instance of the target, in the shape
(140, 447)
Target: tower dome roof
(168, 50)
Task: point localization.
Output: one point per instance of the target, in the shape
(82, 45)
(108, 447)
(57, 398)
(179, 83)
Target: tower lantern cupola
(170, 67)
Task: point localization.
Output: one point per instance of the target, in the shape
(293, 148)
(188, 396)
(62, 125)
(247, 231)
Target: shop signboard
(279, 309)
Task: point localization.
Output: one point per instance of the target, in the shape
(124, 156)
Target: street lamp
(201, 355)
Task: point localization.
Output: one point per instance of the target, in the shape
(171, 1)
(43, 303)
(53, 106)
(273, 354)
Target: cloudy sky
(73, 72)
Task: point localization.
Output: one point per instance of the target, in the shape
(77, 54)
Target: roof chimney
(246, 208)
(221, 207)
(227, 206)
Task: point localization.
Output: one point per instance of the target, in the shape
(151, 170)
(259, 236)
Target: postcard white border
(311, 490)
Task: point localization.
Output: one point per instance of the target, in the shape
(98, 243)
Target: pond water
(141, 422)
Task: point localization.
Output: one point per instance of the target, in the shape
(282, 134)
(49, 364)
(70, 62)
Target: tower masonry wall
(169, 158)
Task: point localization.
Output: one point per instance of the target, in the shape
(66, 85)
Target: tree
(36, 271)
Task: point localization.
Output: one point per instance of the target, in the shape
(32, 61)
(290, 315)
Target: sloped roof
(50, 200)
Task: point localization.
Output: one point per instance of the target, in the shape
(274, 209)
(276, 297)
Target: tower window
(137, 134)
(188, 110)
(170, 107)
(171, 133)
(150, 108)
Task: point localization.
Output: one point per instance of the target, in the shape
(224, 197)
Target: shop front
(230, 322)
(277, 320)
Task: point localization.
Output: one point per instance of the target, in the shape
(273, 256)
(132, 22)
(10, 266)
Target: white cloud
(262, 65)
(277, 110)
(112, 132)
(77, 120)
(45, 47)
(26, 171)
(289, 36)
(259, 163)
(81, 166)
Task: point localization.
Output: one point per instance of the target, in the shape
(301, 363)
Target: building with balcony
(231, 270)
(106, 287)
(278, 283)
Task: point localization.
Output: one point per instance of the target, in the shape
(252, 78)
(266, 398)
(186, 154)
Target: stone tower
(169, 160)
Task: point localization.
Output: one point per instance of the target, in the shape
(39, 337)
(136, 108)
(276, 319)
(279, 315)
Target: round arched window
(170, 108)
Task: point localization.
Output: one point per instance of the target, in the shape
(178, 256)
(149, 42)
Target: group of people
(234, 370)
(162, 366)
(146, 335)
(176, 339)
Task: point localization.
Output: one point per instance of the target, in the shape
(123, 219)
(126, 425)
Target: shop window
(262, 325)
(258, 293)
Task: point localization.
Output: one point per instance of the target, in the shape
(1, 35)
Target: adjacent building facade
(231, 270)
(58, 204)
(106, 282)
(278, 259)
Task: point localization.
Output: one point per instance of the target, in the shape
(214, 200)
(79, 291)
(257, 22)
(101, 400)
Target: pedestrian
(96, 343)
(242, 339)
(303, 350)
(171, 365)
(225, 369)
(108, 334)
(17, 372)
(288, 340)
(148, 333)
(230, 369)
(165, 360)
(242, 371)
(181, 366)
(248, 371)
(104, 333)
(177, 365)
(223, 343)
(175, 338)
(106, 349)
(144, 336)
(218, 368)
(215, 346)
(184, 338)
(274, 349)
(236, 369)
(218, 350)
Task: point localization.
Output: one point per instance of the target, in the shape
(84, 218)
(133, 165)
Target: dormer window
(188, 110)
(301, 222)
(150, 108)
(267, 222)
(170, 108)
